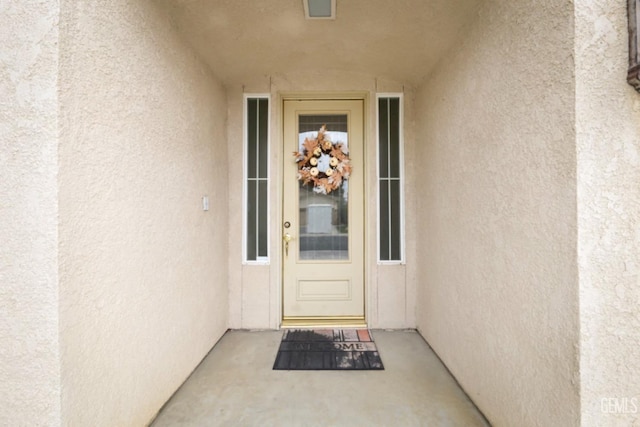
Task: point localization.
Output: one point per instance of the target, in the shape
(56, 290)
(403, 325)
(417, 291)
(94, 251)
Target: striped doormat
(327, 349)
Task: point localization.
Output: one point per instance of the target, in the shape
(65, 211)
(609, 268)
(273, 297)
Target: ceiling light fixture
(319, 9)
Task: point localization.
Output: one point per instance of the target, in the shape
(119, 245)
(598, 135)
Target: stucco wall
(143, 294)
(497, 278)
(255, 290)
(608, 135)
(29, 349)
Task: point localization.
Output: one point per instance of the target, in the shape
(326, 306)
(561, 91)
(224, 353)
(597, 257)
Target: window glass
(256, 179)
(389, 179)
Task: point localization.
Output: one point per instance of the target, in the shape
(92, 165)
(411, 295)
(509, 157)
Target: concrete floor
(236, 386)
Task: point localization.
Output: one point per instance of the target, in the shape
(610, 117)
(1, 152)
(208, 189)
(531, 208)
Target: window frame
(401, 179)
(265, 260)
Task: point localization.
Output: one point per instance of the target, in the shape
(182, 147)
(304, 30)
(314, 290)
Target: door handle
(287, 238)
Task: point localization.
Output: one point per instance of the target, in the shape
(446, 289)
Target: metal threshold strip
(312, 322)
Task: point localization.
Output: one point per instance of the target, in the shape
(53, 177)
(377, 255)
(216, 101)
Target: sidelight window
(390, 179)
(256, 179)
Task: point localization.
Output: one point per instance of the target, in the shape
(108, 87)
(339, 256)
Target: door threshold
(320, 322)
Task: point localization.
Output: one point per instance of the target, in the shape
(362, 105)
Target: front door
(323, 212)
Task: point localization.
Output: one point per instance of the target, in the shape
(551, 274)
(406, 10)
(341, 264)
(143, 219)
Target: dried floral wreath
(323, 163)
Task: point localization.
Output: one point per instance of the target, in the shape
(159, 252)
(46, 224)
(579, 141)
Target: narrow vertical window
(390, 180)
(256, 178)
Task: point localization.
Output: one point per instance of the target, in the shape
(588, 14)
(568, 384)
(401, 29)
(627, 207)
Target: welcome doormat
(327, 349)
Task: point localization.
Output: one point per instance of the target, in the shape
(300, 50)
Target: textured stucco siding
(497, 278)
(29, 349)
(608, 135)
(143, 294)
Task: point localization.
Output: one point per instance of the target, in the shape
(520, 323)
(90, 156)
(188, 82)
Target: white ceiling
(397, 39)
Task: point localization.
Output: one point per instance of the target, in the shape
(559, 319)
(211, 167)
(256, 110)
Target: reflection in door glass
(323, 218)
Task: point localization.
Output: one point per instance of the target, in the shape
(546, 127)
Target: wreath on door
(323, 163)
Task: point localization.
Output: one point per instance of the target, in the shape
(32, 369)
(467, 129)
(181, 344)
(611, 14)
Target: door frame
(366, 117)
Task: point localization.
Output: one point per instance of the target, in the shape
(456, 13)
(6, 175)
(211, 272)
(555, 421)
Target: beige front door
(323, 227)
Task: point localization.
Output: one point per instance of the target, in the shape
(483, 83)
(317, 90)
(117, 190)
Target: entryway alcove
(494, 213)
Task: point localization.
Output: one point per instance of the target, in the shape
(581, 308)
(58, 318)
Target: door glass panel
(323, 218)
